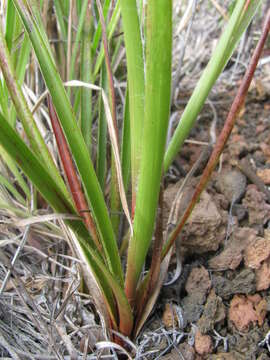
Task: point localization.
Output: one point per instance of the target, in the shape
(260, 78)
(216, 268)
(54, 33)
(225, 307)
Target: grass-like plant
(137, 159)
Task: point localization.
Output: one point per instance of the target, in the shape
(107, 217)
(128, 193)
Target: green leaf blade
(136, 84)
(157, 107)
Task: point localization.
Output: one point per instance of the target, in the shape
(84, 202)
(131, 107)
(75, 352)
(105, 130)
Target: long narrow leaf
(32, 167)
(25, 114)
(241, 17)
(114, 194)
(40, 177)
(125, 148)
(61, 22)
(135, 67)
(97, 35)
(10, 23)
(86, 76)
(75, 140)
(114, 143)
(110, 30)
(81, 23)
(157, 107)
(101, 164)
(14, 170)
(21, 67)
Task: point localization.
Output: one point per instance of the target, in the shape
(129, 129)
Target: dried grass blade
(44, 218)
(116, 153)
(111, 345)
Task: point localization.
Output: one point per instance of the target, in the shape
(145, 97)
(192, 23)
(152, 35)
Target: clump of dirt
(247, 311)
(233, 252)
(214, 313)
(205, 228)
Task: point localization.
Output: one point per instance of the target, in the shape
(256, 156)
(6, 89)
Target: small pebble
(232, 184)
(203, 344)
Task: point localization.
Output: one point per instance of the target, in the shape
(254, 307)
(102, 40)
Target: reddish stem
(71, 174)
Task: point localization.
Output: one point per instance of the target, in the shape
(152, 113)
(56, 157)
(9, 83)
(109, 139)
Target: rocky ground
(221, 301)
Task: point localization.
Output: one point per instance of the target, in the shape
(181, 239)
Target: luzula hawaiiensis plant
(139, 155)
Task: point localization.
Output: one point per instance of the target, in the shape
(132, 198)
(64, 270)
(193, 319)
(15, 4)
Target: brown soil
(223, 293)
